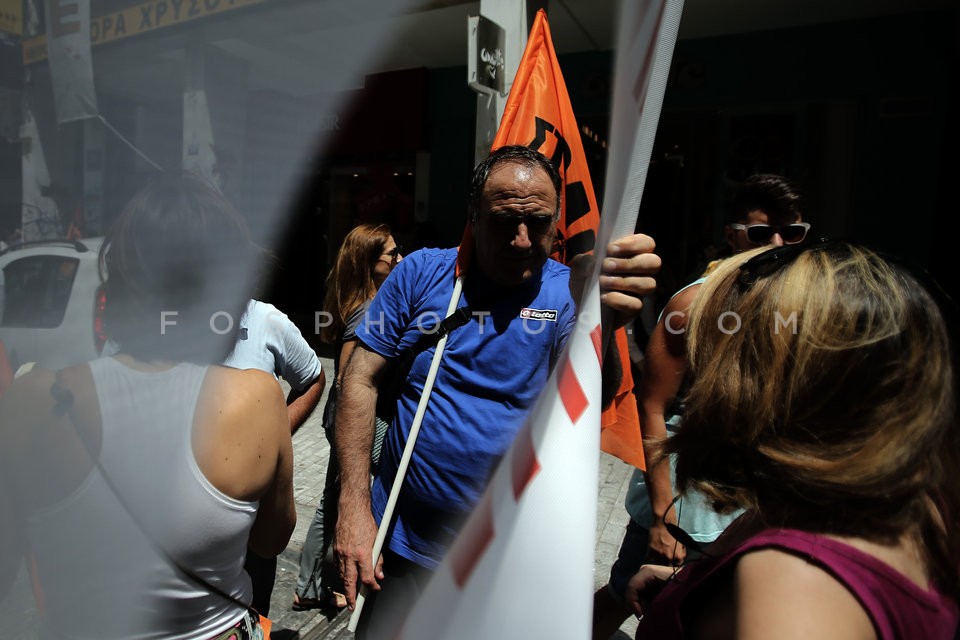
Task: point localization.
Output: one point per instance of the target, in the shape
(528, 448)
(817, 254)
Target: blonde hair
(831, 406)
(350, 282)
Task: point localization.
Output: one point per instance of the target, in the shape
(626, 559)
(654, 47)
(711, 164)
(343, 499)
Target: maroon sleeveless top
(898, 608)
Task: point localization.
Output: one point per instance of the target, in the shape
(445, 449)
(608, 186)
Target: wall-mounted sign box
(485, 56)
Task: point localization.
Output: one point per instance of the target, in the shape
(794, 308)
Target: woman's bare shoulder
(781, 595)
(240, 429)
(242, 391)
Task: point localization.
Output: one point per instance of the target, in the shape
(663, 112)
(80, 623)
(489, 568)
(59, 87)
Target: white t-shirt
(269, 341)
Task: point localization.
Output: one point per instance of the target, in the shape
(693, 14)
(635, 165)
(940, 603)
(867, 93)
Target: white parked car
(52, 311)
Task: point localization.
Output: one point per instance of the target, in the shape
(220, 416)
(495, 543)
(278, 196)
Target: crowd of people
(797, 404)
(828, 418)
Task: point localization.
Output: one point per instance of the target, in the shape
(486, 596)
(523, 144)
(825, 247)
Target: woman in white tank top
(133, 484)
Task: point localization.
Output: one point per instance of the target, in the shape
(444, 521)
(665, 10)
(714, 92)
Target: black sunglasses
(537, 222)
(393, 253)
(762, 233)
(769, 262)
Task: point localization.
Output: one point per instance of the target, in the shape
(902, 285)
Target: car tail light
(99, 306)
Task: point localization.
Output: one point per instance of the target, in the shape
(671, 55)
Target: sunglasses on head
(769, 262)
(762, 233)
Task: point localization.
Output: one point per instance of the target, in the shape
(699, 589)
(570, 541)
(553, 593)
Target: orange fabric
(73, 232)
(38, 595)
(266, 624)
(77, 225)
(620, 432)
(6, 373)
(538, 114)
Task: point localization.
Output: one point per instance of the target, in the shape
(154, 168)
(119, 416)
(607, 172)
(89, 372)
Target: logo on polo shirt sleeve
(539, 314)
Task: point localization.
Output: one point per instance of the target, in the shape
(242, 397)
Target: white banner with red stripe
(523, 562)
(522, 567)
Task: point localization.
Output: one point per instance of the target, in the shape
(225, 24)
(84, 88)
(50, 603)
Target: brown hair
(179, 264)
(350, 282)
(774, 195)
(831, 407)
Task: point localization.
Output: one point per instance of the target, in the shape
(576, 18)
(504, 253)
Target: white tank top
(101, 575)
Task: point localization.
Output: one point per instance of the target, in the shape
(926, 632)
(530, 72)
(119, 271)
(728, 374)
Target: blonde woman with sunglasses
(767, 211)
(823, 404)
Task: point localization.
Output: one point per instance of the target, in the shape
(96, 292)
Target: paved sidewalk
(311, 452)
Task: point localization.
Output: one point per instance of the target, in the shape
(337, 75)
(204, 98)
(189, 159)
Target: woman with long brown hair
(368, 255)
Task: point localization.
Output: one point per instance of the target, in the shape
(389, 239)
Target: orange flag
(6, 373)
(538, 115)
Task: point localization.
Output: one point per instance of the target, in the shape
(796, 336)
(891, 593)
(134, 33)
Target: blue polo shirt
(491, 372)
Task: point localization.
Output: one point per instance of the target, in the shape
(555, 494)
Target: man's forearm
(353, 441)
(300, 405)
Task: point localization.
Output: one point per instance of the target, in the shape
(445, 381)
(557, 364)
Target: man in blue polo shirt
(491, 372)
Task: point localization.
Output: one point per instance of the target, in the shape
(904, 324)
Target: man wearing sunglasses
(765, 210)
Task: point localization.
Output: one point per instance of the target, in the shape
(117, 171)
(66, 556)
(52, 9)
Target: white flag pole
(627, 170)
(636, 112)
(407, 452)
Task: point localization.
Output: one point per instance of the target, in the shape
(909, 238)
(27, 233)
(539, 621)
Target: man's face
(515, 226)
(738, 240)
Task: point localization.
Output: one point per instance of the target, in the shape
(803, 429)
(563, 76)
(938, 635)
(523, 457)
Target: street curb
(336, 629)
